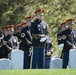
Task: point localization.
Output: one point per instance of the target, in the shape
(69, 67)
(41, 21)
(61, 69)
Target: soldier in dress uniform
(38, 31)
(26, 41)
(60, 34)
(48, 52)
(13, 39)
(70, 24)
(10, 42)
(68, 42)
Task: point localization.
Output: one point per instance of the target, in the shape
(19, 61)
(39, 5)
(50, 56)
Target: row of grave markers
(17, 57)
(16, 61)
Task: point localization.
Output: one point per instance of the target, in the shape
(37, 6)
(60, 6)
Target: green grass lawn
(39, 72)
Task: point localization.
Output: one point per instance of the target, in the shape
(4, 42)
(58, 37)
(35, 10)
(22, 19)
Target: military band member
(48, 52)
(60, 34)
(13, 39)
(60, 37)
(10, 42)
(26, 41)
(68, 41)
(38, 31)
(21, 37)
(70, 24)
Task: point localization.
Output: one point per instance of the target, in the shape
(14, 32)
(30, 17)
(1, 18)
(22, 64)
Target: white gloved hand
(42, 39)
(61, 45)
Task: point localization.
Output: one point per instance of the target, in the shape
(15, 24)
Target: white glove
(61, 45)
(42, 39)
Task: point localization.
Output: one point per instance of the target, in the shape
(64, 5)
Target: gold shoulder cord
(59, 38)
(64, 37)
(34, 36)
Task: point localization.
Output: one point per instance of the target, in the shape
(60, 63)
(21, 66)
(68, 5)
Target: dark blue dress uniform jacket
(26, 39)
(67, 37)
(38, 28)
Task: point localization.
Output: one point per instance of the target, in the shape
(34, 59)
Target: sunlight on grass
(39, 72)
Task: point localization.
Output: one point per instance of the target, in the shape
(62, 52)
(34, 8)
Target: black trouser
(65, 59)
(26, 60)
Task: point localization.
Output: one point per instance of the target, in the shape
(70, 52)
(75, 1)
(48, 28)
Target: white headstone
(17, 58)
(56, 63)
(72, 58)
(5, 64)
